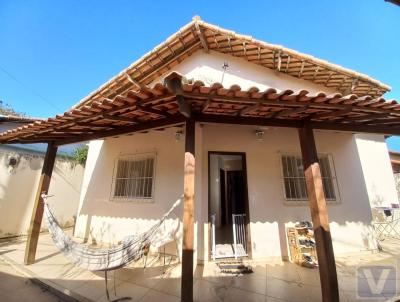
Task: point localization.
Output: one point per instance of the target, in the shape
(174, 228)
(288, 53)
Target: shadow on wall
(103, 221)
(18, 185)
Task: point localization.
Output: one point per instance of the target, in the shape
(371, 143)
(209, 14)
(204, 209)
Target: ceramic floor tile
(127, 289)
(205, 291)
(251, 282)
(238, 295)
(155, 296)
(94, 289)
(171, 286)
(287, 290)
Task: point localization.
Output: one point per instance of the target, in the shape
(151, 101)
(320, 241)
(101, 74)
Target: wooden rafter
(200, 34)
(118, 118)
(290, 111)
(331, 114)
(179, 97)
(367, 117)
(287, 64)
(303, 62)
(383, 121)
(249, 109)
(279, 61)
(153, 124)
(206, 106)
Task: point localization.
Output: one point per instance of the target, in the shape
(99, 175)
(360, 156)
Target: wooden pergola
(180, 102)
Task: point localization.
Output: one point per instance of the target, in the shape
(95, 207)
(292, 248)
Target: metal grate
(295, 182)
(134, 178)
(239, 235)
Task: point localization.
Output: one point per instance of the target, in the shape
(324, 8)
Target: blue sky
(53, 53)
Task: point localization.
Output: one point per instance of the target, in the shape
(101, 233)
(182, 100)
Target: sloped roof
(18, 119)
(164, 105)
(202, 35)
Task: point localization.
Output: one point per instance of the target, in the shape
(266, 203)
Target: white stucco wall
(110, 221)
(18, 189)
(350, 217)
(376, 167)
(102, 219)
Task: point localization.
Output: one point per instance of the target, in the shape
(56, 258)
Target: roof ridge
(294, 52)
(106, 90)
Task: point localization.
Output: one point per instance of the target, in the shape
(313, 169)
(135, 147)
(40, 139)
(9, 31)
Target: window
(134, 178)
(294, 179)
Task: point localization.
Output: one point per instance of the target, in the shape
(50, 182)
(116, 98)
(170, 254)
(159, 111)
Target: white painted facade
(361, 164)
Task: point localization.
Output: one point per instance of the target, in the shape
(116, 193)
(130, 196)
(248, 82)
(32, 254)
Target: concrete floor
(14, 286)
(271, 281)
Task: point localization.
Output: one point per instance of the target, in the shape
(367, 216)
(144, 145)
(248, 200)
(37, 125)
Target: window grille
(294, 179)
(134, 178)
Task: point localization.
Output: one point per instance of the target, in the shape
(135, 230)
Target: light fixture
(259, 134)
(178, 135)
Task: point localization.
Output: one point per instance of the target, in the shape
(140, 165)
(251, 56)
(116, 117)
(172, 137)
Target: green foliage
(6, 109)
(80, 154)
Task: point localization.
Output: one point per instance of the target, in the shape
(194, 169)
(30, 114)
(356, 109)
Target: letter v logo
(376, 286)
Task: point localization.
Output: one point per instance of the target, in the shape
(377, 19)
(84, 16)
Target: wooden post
(188, 214)
(38, 207)
(319, 215)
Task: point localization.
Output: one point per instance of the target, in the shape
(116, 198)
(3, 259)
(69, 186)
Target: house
(20, 167)
(395, 161)
(255, 136)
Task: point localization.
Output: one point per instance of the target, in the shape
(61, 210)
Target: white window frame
(301, 201)
(134, 157)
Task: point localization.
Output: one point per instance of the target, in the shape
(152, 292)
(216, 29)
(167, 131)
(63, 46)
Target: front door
(228, 205)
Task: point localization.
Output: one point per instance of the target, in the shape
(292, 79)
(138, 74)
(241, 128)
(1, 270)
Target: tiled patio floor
(280, 281)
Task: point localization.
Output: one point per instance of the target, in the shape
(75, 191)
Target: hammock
(132, 247)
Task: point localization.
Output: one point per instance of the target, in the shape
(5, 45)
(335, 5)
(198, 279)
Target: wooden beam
(188, 213)
(241, 120)
(301, 68)
(335, 113)
(142, 108)
(249, 109)
(184, 106)
(118, 118)
(170, 59)
(260, 121)
(279, 61)
(202, 37)
(319, 216)
(162, 122)
(38, 206)
(366, 117)
(315, 73)
(206, 106)
(290, 111)
(287, 63)
(281, 103)
(174, 83)
(361, 128)
(383, 121)
(132, 80)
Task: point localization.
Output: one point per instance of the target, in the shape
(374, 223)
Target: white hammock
(131, 249)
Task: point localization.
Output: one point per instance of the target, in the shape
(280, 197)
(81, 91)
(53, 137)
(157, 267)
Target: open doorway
(228, 205)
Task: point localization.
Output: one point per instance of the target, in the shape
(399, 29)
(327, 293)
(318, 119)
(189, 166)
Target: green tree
(80, 154)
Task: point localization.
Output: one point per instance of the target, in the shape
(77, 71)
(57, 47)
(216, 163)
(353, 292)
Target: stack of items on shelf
(302, 244)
